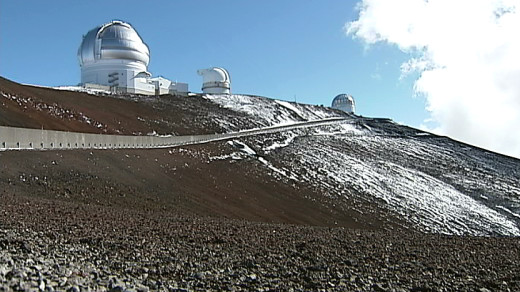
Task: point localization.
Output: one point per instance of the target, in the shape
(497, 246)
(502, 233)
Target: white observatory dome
(215, 80)
(113, 40)
(115, 56)
(344, 102)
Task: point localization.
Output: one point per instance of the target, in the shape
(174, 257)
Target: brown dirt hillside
(48, 108)
(170, 181)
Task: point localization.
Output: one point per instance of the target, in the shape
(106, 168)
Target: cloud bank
(467, 54)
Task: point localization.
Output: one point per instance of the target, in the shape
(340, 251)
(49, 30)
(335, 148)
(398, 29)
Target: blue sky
(281, 49)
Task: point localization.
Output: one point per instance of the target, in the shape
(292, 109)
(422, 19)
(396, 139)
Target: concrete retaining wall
(12, 138)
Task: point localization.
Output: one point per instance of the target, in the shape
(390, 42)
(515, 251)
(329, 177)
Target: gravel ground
(78, 247)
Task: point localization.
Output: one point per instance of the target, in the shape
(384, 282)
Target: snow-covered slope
(269, 112)
(432, 183)
(428, 202)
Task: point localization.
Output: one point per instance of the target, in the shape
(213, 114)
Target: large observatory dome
(113, 40)
(344, 102)
(113, 55)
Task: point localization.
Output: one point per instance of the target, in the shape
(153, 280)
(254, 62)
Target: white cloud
(467, 54)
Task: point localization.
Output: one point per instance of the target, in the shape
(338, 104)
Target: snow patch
(277, 170)
(508, 211)
(249, 152)
(242, 147)
(289, 107)
(340, 129)
(92, 91)
(284, 143)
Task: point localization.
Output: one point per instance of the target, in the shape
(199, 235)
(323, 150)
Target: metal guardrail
(12, 138)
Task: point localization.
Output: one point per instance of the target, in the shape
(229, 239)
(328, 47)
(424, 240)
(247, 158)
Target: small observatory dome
(113, 40)
(344, 102)
(215, 80)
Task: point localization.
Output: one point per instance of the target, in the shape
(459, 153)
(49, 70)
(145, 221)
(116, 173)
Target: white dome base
(215, 90)
(120, 75)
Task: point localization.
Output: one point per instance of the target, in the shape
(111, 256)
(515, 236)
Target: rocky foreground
(56, 246)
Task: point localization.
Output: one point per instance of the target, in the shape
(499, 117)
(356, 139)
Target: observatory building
(344, 102)
(215, 80)
(114, 57)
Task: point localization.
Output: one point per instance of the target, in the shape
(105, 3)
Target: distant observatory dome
(216, 80)
(344, 102)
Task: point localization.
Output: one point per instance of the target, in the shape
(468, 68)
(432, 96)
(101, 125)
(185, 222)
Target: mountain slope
(363, 172)
(358, 205)
(434, 183)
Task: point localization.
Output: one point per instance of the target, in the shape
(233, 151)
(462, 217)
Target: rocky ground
(79, 247)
